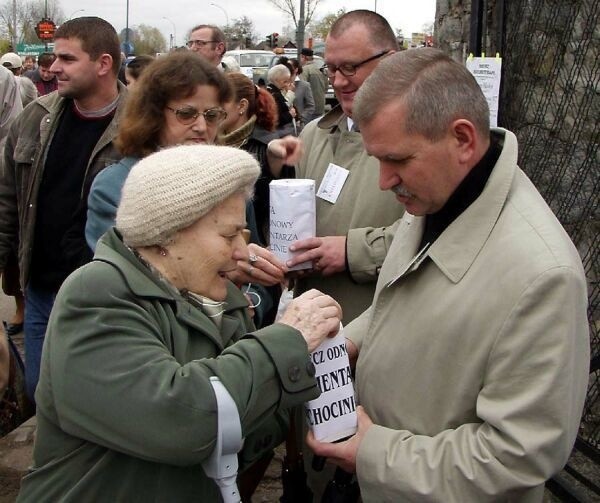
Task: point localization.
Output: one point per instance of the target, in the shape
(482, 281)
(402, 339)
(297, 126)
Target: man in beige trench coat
(472, 362)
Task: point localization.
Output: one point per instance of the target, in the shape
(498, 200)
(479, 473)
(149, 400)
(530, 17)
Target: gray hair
(435, 89)
(278, 72)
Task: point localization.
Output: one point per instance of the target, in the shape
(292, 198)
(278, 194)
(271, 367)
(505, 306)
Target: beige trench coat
(474, 357)
(362, 211)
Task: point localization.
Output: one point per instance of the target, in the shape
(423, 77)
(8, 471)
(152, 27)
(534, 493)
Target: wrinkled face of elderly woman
(193, 120)
(200, 256)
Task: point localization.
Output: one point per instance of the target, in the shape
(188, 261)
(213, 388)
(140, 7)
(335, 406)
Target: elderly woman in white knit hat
(125, 407)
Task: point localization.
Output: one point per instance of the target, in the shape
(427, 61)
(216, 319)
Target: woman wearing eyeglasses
(177, 101)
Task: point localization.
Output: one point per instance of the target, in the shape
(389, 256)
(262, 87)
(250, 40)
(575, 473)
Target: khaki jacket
(474, 357)
(10, 104)
(24, 159)
(318, 81)
(362, 212)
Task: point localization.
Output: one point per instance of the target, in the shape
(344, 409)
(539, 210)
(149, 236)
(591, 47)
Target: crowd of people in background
(292, 98)
(134, 236)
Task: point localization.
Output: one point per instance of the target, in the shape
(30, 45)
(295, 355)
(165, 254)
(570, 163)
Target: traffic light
(275, 38)
(270, 40)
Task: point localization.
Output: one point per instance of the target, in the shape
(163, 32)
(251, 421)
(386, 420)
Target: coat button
(294, 373)
(310, 369)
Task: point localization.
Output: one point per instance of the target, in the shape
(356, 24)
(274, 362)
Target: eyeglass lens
(199, 43)
(348, 70)
(187, 115)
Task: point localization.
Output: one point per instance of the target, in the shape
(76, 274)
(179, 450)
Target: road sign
(34, 49)
(127, 48)
(45, 29)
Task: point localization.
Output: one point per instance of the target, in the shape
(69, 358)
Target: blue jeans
(38, 304)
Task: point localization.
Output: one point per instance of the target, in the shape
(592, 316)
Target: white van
(253, 62)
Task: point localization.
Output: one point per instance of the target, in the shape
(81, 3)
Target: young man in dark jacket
(53, 151)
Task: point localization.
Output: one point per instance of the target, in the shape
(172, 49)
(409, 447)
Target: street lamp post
(224, 12)
(174, 38)
(300, 29)
(14, 26)
(127, 30)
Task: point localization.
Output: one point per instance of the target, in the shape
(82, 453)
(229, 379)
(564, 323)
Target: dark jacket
(24, 158)
(285, 117)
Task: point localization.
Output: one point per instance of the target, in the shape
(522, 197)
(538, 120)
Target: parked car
(253, 62)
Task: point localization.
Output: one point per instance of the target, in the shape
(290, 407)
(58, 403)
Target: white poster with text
(487, 73)
(332, 416)
(292, 216)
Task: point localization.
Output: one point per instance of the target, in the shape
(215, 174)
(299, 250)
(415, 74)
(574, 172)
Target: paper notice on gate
(292, 216)
(487, 73)
(332, 416)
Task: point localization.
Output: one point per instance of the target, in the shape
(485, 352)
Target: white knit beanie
(171, 189)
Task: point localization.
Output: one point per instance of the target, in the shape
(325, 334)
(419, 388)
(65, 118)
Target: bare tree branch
(322, 27)
(148, 40)
(292, 9)
(240, 33)
(27, 14)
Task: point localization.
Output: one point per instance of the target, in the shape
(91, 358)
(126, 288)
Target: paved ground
(7, 306)
(15, 449)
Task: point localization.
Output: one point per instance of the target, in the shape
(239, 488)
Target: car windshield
(255, 60)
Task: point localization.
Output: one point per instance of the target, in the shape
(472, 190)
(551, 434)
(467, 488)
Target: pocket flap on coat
(25, 151)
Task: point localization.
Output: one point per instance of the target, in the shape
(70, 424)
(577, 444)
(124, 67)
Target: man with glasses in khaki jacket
(353, 223)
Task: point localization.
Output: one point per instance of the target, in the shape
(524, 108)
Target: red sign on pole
(45, 30)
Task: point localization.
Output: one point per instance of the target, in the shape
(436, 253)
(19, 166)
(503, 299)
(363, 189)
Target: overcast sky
(410, 15)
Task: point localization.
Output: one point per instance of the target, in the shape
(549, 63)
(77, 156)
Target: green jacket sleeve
(115, 382)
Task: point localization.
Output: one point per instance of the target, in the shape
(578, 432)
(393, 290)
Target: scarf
(238, 137)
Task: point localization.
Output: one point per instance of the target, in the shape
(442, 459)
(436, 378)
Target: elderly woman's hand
(261, 267)
(315, 315)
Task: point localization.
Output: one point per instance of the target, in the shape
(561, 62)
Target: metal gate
(550, 99)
